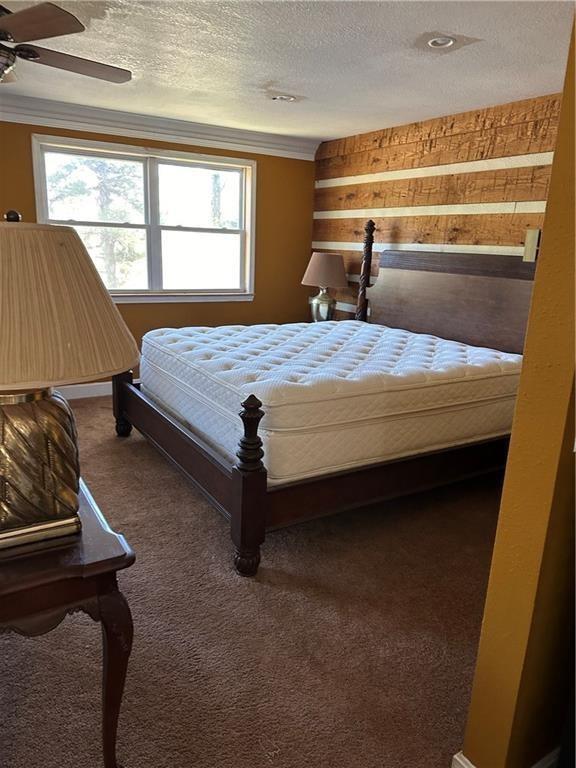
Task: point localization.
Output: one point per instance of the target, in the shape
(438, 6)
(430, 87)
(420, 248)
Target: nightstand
(41, 584)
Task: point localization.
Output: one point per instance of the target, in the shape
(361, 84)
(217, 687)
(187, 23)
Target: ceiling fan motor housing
(26, 52)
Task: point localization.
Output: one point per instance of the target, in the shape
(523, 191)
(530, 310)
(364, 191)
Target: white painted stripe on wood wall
(507, 250)
(465, 209)
(356, 278)
(471, 166)
(343, 307)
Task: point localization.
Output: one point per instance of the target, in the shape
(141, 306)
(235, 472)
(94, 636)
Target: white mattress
(336, 395)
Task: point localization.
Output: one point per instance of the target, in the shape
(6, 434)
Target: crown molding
(58, 114)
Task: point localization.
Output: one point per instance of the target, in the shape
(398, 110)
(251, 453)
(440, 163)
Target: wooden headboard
(481, 298)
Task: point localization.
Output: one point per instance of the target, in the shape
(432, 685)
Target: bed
(416, 392)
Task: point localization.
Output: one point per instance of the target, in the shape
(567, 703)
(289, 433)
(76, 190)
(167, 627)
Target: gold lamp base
(39, 468)
(322, 306)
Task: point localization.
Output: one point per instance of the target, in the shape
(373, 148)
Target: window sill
(169, 297)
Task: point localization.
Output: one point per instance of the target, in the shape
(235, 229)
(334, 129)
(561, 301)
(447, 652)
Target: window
(166, 226)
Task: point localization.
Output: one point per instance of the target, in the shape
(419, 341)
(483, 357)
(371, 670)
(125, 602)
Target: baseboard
(77, 391)
(460, 761)
(95, 389)
(548, 761)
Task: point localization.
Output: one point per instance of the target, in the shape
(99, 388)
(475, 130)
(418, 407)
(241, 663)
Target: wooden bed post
(123, 426)
(248, 519)
(362, 305)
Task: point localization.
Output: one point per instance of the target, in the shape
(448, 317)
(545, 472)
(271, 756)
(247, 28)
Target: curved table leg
(117, 631)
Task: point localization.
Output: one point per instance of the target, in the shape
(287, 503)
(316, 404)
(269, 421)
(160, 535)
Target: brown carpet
(354, 648)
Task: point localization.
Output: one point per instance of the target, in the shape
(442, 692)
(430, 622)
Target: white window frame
(150, 158)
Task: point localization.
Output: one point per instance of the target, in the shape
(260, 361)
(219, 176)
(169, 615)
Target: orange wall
(284, 205)
(523, 666)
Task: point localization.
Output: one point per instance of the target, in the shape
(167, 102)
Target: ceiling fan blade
(76, 64)
(37, 23)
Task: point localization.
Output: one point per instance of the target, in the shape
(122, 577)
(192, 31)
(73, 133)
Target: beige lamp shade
(326, 270)
(58, 324)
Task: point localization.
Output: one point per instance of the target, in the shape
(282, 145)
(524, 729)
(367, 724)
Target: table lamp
(58, 325)
(325, 270)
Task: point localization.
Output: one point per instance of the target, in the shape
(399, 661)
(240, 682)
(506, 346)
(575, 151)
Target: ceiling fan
(37, 23)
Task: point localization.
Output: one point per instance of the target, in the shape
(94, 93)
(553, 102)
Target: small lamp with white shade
(325, 270)
(58, 325)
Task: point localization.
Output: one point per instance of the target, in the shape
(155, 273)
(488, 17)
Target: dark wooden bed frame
(480, 299)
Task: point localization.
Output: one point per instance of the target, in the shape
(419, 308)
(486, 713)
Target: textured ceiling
(354, 66)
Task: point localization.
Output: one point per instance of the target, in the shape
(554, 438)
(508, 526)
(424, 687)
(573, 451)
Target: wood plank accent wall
(469, 182)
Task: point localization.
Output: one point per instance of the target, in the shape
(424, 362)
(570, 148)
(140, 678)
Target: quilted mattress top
(306, 363)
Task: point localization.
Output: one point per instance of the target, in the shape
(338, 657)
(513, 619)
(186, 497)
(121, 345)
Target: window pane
(200, 260)
(199, 197)
(94, 188)
(119, 255)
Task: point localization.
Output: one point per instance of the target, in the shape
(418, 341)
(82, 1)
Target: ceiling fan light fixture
(7, 61)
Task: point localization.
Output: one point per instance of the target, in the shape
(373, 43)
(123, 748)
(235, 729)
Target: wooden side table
(39, 586)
